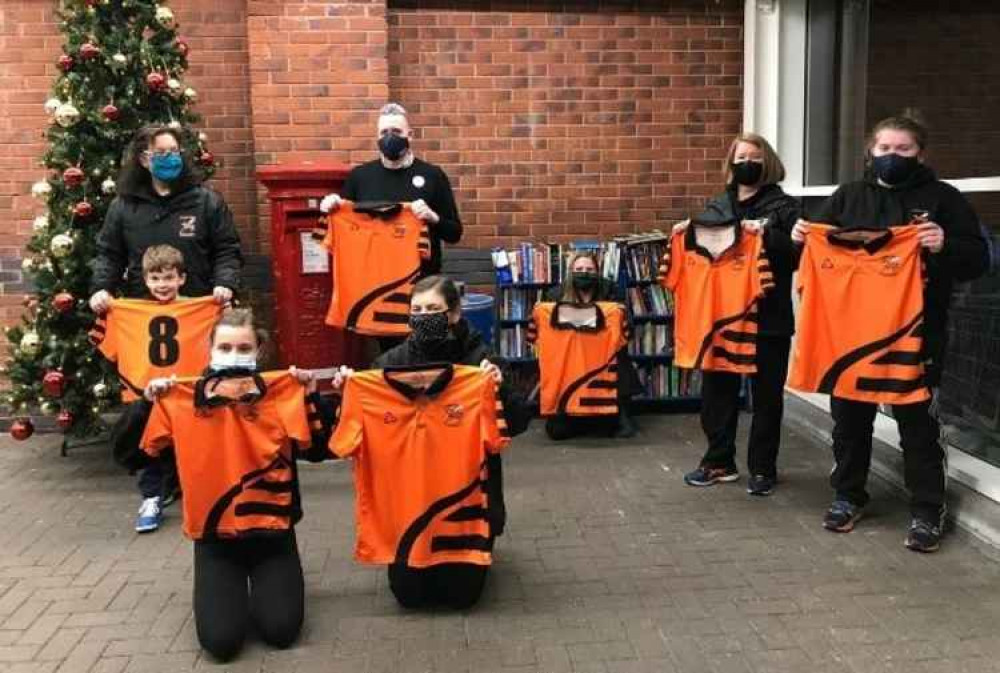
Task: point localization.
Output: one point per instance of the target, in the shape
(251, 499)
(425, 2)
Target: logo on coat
(188, 228)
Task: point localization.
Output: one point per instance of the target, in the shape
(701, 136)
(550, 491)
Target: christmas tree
(121, 69)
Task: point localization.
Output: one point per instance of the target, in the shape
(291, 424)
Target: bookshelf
(525, 273)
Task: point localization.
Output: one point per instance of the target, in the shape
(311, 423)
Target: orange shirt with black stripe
(236, 440)
(715, 300)
(150, 339)
(578, 363)
(861, 315)
(419, 437)
(377, 251)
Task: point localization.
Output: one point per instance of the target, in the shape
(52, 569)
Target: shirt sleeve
(292, 409)
(104, 335)
(349, 434)
(804, 275)
(673, 277)
(158, 434)
(328, 239)
(493, 426)
(763, 276)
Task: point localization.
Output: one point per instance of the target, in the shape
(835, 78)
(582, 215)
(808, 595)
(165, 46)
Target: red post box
(301, 268)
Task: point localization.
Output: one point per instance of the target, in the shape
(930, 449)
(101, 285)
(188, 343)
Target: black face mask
(747, 172)
(393, 147)
(429, 329)
(584, 280)
(893, 169)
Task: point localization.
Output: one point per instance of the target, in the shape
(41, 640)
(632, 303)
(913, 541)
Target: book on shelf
(664, 380)
(513, 342)
(515, 303)
(528, 263)
(650, 338)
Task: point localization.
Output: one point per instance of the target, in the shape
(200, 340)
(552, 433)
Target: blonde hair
(568, 292)
(159, 258)
(241, 317)
(773, 171)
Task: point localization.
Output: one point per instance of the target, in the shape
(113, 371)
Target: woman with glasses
(161, 201)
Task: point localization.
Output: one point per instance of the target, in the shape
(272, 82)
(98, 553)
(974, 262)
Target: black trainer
(759, 484)
(923, 536)
(842, 516)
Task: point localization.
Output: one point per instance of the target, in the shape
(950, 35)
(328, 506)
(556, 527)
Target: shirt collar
(439, 383)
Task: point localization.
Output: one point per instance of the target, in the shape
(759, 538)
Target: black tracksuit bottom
(923, 456)
(720, 410)
(254, 579)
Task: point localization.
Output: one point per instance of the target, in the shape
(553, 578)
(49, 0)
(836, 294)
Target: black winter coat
(195, 220)
(965, 256)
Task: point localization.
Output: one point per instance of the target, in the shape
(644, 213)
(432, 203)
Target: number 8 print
(164, 350)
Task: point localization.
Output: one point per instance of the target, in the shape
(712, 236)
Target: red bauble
(88, 51)
(73, 176)
(83, 209)
(156, 81)
(66, 62)
(182, 47)
(63, 302)
(206, 158)
(21, 429)
(111, 113)
(54, 384)
(65, 420)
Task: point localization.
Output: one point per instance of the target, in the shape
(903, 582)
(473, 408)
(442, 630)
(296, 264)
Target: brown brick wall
(567, 119)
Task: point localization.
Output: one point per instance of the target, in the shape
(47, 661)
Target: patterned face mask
(429, 328)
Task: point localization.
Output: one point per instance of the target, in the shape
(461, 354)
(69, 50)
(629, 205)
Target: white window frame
(774, 80)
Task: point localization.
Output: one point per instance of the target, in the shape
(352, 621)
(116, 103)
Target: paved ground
(610, 564)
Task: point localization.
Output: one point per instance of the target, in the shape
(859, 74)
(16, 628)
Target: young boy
(166, 335)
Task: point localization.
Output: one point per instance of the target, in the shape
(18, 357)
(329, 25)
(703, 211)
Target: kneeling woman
(441, 336)
(585, 288)
(237, 435)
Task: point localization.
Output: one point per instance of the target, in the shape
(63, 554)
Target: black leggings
(454, 585)
(235, 581)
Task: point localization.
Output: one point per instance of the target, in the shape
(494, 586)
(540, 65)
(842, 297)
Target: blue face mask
(166, 167)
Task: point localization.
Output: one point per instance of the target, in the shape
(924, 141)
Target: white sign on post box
(315, 258)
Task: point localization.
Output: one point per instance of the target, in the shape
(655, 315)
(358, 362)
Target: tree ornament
(89, 51)
(40, 224)
(73, 176)
(63, 302)
(101, 390)
(174, 124)
(83, 210)
(203, 137)
(190, 95)
(41, 190)
(174, 87)
(66, 62)
(21, 429)
(54, 384)
(156, 82)
(108, 186)
(67, 115)
(65, 420)
(111, 112)
(119, 59)
(182, 47)
(49, 408)
(165, 17)
(28, 264)
(61, 246)
(206, 158)
(31, 344)
(51, 105)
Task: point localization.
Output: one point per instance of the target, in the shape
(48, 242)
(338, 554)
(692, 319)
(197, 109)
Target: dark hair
(241, 317)
(909, 120)
(442, 285)
(134, 179)
(568, 292)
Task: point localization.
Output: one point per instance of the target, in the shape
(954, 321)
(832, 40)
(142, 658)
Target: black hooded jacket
(964, 257)
(194, 219)
(781, 211)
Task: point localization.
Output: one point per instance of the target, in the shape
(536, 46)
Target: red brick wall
(569, 119)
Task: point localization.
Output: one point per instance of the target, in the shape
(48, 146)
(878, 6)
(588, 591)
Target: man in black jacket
(899, 189)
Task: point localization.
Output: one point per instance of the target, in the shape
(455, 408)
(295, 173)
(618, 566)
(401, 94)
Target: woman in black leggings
(240, 507)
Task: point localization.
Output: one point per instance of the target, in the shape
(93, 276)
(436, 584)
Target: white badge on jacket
(188, 223)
